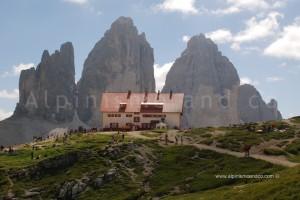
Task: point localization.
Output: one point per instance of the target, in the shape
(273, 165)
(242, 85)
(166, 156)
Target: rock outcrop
(122, 60)
(252, 107)
(46, 98)
(47, 92)
(213, 95)
(210, 83)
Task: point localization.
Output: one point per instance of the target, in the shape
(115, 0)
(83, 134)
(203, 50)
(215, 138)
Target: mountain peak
(66, 47)
(122, 60)
(124, 21)
(200, 43)
(123, 25)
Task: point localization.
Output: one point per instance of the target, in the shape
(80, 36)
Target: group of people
(177, 138)
(115, 137)
(10, 149)
(35, 149)
(83, 130)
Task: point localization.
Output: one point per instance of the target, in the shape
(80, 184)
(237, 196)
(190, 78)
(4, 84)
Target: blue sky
(260, 37)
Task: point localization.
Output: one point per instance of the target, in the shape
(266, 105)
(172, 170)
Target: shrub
(274, 152)
(160, 130)
(207, 141)
(283, 143)
(279, 136)
(294, 147)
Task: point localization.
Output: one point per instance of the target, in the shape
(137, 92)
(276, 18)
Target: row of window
(145, 115)
(144, 125)
(114, 115)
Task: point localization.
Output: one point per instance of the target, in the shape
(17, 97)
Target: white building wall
(171, 119)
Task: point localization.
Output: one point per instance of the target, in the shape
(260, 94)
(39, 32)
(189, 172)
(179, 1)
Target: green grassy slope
(175, 170)
(284, 188)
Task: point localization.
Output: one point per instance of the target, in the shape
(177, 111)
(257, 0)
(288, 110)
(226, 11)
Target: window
(128, 115)
(114, 125)
(114, 115)
(136, 119)
(155, 116)
(151, 108)
(145, 126)
(122, 107)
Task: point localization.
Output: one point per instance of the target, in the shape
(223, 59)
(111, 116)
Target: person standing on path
(176, 139)
(181, 140)
(123, 137)
(166, 139)
(247, 150)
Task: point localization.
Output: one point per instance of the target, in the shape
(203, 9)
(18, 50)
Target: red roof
(111, 102)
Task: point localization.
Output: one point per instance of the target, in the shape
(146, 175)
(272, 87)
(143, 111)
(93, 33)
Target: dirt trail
(277, 160)
(10, 194)
(271, 159)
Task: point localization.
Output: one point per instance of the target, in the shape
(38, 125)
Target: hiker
(181, 140)
(176, 139)
(247, 150)
(113, 139)
(10, 149)
(166, 139)
(123, 137)
(32, 155)
(65, 138)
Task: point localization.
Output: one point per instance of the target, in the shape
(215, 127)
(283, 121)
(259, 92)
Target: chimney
(171, 94)
(158, 93)
(128, 94)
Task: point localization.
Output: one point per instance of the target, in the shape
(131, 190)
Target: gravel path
(271, 159)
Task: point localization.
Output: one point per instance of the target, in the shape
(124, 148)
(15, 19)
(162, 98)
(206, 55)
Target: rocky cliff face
(47, 92)
(209, 81)
(252, 107)
(213, 95)
(122, 60)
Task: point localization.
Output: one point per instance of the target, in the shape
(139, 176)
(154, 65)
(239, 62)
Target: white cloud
(4, 114)
(220, 36)
(274, 79)
(256, 29)
(78, 2)
(235, 46)
(247, 80)
(183, 6)
(283, 65)
(288, 44)
(237, 6)
(160, 73)
(186, 38)
(226, 11)
(14, 94)
(16, 69)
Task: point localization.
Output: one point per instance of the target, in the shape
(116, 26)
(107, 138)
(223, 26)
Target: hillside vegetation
(94, 166)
